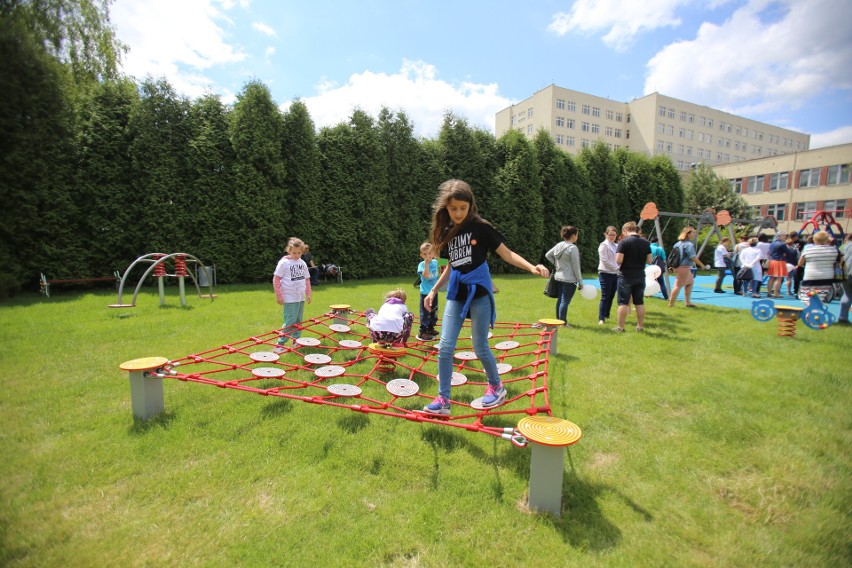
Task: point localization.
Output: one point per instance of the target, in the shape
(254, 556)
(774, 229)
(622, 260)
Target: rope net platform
(335, 363)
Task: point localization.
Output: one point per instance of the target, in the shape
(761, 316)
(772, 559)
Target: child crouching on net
(391, 325)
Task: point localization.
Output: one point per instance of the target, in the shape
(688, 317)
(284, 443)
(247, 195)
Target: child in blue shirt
(428, 271)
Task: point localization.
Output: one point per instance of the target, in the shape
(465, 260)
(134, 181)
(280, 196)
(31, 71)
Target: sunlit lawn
(707, 441)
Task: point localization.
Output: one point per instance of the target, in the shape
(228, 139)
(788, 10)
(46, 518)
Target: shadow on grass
(353, 423)
(279, 407)
(583, 524)
(141, 427)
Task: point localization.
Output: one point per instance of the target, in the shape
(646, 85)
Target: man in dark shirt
(632, 254)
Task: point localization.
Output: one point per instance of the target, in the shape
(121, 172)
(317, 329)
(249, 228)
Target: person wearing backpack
(686, 258)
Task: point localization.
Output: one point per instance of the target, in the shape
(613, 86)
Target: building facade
(654, 125)
(792, 187)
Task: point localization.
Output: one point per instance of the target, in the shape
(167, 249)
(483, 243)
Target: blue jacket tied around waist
(480, 276)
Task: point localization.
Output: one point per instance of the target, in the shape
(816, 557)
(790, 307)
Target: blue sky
(787, 63)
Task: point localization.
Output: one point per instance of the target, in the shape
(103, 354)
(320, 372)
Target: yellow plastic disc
(390, 352)
(144, 364)
(339, 306)
(550, 322)
(549, 431)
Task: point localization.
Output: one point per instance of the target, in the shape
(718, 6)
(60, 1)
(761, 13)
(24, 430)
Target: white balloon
(790, 267)
(589, 292)
(651, 287)
(652, 271)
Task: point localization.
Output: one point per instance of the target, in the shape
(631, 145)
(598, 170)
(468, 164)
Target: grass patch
(735, 452)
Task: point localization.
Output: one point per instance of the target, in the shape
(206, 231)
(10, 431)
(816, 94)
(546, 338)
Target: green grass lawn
(707, 441)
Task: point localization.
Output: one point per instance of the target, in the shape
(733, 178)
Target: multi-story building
(792, 187)
(655, 125)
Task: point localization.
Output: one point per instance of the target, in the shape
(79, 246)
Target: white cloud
(752, 67)
(168, 38)
(414, 90)
(623, 19)
(264, 29)
(842, 135)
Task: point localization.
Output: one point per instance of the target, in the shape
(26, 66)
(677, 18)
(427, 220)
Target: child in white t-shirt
(391, 325)
(292, 283)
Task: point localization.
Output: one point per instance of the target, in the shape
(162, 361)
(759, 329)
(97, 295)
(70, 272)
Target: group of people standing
(459, 234)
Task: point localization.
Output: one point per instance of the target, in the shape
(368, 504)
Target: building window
(608, 131)
(680, 148)
(709, 138)
(596, 111)
(671, 113)
(662, 111)
(661, 128)
(670, 130)
(777, 211)
(570, 140)
(618, 133)
(586, 109)
(529, 112)
(737, 185)
(689, 150)
(560, 139)
(584, 127)
(609, 114)
(683, 116)
(660, 145)
(596, 129)
(560, 104)
(809, 178)
(837, 208)
(755, 184)
(721, 126)
(560, 121)
(669, 146)
(778, 181)
(691, 119)
(529, 129)
(585, 143)
(838, 174)
(570, 123)
(572, 106)
(618, 117)
(805, 210)
(681, 132)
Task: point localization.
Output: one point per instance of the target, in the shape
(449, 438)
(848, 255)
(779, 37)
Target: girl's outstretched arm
(517, 260)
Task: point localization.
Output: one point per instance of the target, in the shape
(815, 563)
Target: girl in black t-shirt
(465, 239)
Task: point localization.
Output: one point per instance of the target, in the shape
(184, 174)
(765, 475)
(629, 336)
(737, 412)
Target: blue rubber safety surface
(703, 294)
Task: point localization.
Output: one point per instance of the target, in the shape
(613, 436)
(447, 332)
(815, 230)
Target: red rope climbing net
(333, 364)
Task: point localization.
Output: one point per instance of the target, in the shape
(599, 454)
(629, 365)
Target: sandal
(691, 305)
(640, 328)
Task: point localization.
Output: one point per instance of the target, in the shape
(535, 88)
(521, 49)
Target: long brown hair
(441, 231)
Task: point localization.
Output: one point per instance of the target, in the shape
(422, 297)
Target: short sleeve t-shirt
(635, 250)
(293, 274)
(469, 249)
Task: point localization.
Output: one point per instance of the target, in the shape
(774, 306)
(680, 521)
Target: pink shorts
(683, 276)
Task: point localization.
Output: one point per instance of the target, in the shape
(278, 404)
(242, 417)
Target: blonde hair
(399, 293)
(685, 233)
(821, 238)
(425, 247)
(294, 242)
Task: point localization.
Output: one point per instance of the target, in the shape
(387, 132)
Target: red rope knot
(160, 269)
(180, 265)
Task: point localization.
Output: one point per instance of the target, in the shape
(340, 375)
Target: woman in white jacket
(750, 258)
(565, 256)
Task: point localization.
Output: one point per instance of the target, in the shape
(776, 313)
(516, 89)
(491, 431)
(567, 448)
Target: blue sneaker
(438, 406)
(494, 396)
